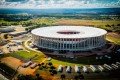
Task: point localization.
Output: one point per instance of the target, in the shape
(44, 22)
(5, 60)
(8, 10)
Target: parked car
(114, 66)
(107, 67)
(68, 69)
(85, 70)
(77, 69)
(118, 63)
(93, 68)
(60, 68)
(32, 66)
(27, 64)
(101, 68)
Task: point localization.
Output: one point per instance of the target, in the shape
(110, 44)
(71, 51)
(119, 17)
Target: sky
(47, 4)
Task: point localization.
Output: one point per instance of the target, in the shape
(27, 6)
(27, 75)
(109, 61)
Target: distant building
(17, 33)
(6, 29)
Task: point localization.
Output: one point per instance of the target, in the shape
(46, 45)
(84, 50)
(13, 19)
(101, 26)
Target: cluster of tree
(29, 77)
(15, 17)
(49, 66)
(85, 16)
(76, 77)
(113, 28)
(52, 69)
(36, 26)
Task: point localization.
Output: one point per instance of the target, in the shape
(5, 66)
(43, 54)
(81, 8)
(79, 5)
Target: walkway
(3, 77)
(26, 45)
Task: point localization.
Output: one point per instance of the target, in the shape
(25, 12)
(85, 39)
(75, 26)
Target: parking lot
(12, 47)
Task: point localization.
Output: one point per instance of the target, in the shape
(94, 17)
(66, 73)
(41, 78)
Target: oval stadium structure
(68, 38)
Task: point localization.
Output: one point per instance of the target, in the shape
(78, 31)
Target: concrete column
(84, 44)
(75, 44)
(63, 43)
(93, 41)
(97, 41)
(89, 41)
(39, 40)
(59, 44)
(100, 40)
(52, 44)
(43, 42)
(72, 44)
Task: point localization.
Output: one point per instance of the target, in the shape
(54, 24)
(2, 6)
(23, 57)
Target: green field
(25, 55)
(113, 39)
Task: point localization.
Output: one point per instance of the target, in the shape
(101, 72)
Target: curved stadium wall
(68, 38)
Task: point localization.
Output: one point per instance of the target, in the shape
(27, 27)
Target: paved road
(33, 49)
(30, 47)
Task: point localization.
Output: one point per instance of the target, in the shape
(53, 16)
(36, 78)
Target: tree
(54, 71)
(6, 36)
(38, 77)
(62, 76)
(39, 65)
(50, 70)
(76, 77)
(21, 77)
(42, 63)
(50, 64)
(25, 77)
(80, 76)
(52, 67)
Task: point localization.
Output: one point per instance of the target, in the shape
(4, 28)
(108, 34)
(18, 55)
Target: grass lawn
(58, 62)
(28, 55)
(80, 61)
(23, 54)
(113, 39)
(79, 22)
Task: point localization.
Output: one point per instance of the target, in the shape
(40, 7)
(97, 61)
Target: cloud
(15, 0)
(58, 3)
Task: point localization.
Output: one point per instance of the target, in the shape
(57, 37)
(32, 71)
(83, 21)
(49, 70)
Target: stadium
(68, 38)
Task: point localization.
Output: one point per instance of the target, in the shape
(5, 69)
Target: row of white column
(71, 44)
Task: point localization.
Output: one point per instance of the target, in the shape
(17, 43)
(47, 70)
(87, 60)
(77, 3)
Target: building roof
(68, 32)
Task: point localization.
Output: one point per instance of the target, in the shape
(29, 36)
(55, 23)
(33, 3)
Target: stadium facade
(68, 38)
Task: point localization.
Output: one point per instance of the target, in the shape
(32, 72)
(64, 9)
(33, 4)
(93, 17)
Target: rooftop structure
(68, 38)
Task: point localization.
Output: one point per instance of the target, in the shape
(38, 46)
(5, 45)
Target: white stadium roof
(58, 32)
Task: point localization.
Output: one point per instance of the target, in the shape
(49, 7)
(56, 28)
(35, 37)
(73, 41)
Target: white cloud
(56, 4)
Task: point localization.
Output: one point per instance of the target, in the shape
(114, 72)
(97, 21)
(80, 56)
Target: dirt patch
(26, 71)
(113, 34)
(12, 62)
(15, 63)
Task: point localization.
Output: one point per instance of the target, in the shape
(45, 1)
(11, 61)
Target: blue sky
(46, 4)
